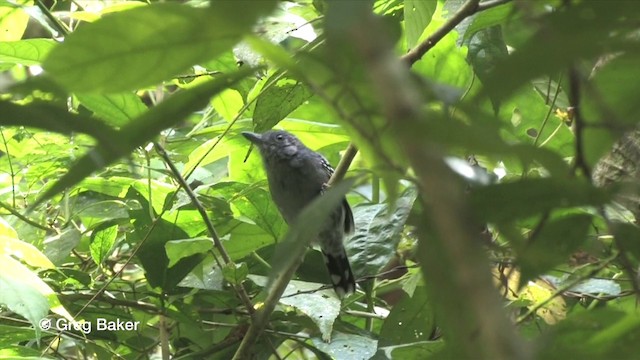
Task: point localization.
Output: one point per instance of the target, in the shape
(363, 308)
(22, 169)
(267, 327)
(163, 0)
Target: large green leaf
(378, 231)
(417, 15)
(277, 101)
(321, 306)
(411, 320)
(505, 202)
(115, 109)
(601, 333)
(143, 129)
(26, 52)
(152, 237)
(23, 292)
(145, 45)
(602, 28)
(13, 19)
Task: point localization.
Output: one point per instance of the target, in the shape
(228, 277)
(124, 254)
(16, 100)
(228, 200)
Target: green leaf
(411, 320)
(58, 247)
(488, 18)
(7, 230)
(145, 45)
(417, 15)
(206, 275)
(228, 104)
(10, 351)
(235, 273)
(10, 246)
(115, 109)
(180, 249)
(277, 101)
(23, 292)
(447, 61)
(152, 237)
(617, 81)
(603, 29)
(602, 333)
(13, 19)
(504, 202)
(102, 240)
(25, 52)
(628, 236)
(245, 239)
(378, 231)
(143, 129)
(256, 204)
(321, 306)
(558, 239)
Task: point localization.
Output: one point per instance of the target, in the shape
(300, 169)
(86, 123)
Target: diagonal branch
(467, 9)
(239, 289)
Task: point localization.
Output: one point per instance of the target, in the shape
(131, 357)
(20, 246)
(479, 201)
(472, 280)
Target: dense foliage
(494, 203)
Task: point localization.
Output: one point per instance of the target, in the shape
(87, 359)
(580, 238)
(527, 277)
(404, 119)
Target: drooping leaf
(277, 101)
(151, 237)
(411, 320)
(503, 202)
(321, 306)
(378, 231)
(102, 240)
(179, 249)
(417, 15)
(144, 45)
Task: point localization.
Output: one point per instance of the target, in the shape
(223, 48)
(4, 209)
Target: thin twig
(61, 27)
(580, 161)
(548, 115)
(343, 166)
(17, 214)
(467, 9)
(485, 5)
(240, 290)
(564, 288)
(364, 314)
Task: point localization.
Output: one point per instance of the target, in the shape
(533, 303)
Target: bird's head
(275, 143)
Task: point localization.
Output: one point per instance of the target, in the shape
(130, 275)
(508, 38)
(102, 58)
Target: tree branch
(485, 331)
(467, 9)
(343, 166)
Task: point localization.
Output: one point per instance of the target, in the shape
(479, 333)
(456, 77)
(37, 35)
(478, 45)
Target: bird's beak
(253, 137)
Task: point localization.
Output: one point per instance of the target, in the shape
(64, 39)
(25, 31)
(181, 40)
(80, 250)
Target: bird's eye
(280, 137)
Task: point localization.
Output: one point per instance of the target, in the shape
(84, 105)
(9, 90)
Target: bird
(296, 176)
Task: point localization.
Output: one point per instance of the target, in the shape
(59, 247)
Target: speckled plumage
(296, 175)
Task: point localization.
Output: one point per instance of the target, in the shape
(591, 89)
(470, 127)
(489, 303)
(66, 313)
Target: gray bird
(296, 176)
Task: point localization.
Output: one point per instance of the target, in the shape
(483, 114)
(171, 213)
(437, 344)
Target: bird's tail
(342, 278)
